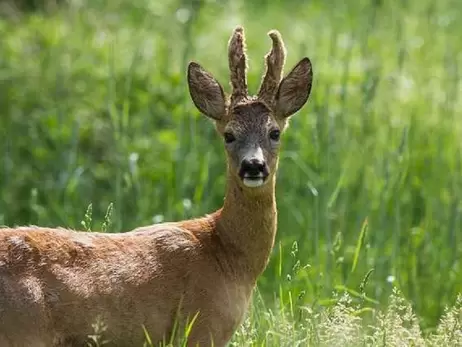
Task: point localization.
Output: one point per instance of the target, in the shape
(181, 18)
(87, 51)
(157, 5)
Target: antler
(238, 64)
(275, 60)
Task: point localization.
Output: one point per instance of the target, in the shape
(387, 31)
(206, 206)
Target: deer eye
(275, 135)
(229, 138)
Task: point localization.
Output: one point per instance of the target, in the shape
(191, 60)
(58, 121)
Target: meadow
(97, 127)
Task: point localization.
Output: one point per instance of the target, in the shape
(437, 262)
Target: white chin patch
(253, 183)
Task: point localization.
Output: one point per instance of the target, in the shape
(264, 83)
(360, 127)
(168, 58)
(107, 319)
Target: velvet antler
(238, 64)
(275, 60)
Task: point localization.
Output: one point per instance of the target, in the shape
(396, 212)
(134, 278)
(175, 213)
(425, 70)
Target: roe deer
(54, 283)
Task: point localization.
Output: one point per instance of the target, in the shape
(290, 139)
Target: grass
(348, 324)
(95, 109)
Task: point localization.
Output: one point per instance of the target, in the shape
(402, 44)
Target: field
(96, 117)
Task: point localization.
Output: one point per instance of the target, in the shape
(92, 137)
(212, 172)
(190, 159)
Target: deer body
(55, 283)
(144, 277)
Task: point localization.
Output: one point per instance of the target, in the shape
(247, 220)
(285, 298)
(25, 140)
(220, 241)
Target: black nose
(252, 167)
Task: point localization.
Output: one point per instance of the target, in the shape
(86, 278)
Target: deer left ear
(294, 89)
(206, 93)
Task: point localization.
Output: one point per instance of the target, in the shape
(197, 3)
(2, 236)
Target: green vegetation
(95, 109)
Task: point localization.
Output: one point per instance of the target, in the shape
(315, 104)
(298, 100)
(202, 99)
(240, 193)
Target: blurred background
(94, 109)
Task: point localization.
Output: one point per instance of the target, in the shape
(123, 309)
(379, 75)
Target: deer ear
(294, 89)
(206, 93)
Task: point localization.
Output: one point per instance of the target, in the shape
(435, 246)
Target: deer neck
(247, 225)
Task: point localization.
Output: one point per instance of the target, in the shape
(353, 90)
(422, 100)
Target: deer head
(251, 126)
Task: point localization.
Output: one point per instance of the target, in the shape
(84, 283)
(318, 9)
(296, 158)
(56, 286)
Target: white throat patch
(253, 183)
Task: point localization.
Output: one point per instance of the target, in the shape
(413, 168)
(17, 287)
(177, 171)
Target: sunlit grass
(347, 323)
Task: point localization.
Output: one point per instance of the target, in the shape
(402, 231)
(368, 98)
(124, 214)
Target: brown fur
(55, 283)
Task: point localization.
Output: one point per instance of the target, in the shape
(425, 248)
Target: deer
(158, 279)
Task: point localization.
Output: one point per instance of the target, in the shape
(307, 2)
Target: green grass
(95, 109)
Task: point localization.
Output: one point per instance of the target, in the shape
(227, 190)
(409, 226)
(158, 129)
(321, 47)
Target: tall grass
(95, 109)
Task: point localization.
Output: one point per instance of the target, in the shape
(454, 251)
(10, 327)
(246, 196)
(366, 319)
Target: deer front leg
(208, 333)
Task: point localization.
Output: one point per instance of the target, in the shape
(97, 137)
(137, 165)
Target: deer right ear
(206, 93)
(294, 89)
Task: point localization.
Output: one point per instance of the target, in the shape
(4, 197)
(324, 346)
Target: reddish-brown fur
(55, 283)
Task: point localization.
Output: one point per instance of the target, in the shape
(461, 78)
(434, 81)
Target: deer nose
(253, 167)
